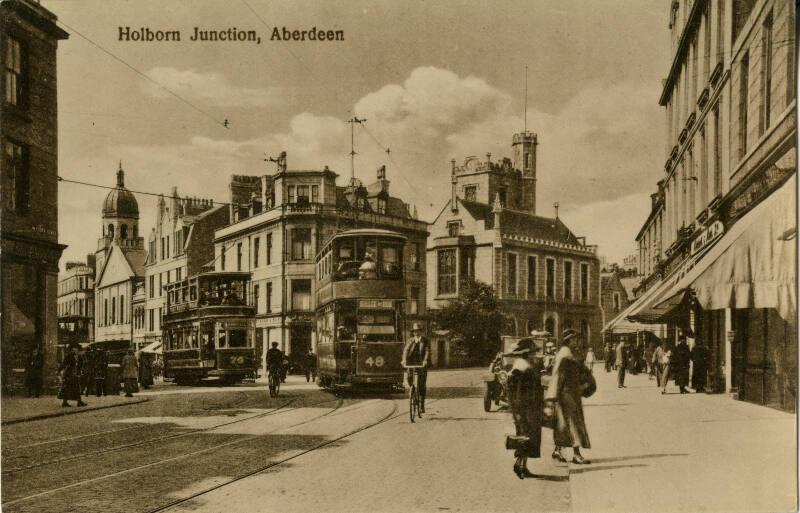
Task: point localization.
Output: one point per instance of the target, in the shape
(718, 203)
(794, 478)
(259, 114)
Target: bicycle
(274, 380)
(413, 393)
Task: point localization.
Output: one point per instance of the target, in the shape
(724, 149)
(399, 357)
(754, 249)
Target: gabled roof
(521, 223)
(132, 264)
(630, 283)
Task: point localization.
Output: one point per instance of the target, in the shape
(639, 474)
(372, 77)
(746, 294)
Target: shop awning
(664, 309)
(624, 321)
(753, 265)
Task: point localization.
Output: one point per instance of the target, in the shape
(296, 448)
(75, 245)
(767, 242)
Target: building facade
(278, 224)
(120, 259)
(28, 176)
(76, 303)
(545, 277)
(715, 254)
(180, 243)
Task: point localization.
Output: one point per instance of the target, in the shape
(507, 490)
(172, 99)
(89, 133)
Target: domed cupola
(120, 202)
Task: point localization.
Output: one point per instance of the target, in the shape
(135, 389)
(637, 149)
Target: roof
(368, 231)
(630, 283)
(522, 223)
(120, 202)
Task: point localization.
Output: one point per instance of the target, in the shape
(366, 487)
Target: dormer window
(453, 228)
(502, 193)
(381, 205)
(302, 194)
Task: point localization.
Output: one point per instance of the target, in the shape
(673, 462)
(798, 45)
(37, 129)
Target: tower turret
(524, 149)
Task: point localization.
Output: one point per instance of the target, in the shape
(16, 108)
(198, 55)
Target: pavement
(15, 409)
(650, 453)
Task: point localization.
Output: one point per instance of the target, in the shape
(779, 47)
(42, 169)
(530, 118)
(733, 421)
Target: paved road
(234, 449)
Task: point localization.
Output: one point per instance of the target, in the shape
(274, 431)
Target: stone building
(278, 224)
(716, 252)
(180, 243)
(76, 303)
(120, 259)
(545, 277)
(30, 250)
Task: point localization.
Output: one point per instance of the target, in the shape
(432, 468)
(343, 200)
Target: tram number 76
(378, 361)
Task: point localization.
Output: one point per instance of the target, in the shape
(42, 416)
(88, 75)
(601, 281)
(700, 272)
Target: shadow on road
(639, 457)
(454, 392)
(583, 470)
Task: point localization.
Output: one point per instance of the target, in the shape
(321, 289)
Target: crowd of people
(662, 362)
(84, 372)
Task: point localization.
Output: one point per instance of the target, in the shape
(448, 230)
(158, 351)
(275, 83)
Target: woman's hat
(568, 334)
(416, 327)
(521, 348)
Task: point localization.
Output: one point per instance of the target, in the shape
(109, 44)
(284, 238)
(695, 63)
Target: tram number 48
(375, 362)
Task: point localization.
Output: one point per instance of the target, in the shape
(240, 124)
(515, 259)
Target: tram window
(237, 338)
(346, 250)
(221, 338)
(390, 263)
(193, 293)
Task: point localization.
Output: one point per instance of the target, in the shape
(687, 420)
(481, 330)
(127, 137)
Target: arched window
(123, 231)
(110, 233)
(531, 326)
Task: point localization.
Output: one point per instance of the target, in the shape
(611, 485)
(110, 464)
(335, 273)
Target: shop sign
(712, 232)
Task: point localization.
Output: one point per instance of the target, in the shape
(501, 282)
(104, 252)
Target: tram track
(68, 439)
(16, 470)
(391, 416)
(339, 401)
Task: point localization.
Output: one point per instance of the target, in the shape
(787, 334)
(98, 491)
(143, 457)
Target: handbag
(516, 442)
(588, 383)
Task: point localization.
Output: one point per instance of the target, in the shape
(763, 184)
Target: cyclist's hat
(416, 327)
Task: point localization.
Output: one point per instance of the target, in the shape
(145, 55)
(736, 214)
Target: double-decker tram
(208, 328)
(360, 304)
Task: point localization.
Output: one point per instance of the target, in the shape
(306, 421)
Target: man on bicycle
(274, 360)
(417, 352)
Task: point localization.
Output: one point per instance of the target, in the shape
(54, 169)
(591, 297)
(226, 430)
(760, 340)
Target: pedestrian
(666, 361)
(609, 356)
(621, 359)
(680, 363)
(310, 365)
(565, 392)
(146, 370)
(100, 369)
(417, 352)
(69, 372)
(33, 372)
(699, 356)
(87, 377)
(657, 365)
(589, 360)
(130, 373)
(158, 368)
(648, 360)
(284, 368)
(526, 398)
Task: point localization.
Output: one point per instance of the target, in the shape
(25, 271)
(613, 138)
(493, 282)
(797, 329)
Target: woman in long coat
(130, 373)
(146, 370)
(566, 392)
(70, 370)
(680, 364)
(527, 402)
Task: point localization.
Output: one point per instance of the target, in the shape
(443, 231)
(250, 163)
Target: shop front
(740, 300)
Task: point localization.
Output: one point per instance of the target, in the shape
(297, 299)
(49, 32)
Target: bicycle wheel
(413, 402)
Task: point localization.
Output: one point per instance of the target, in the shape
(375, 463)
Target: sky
(435, 81)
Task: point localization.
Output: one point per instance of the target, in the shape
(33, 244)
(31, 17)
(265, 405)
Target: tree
(474, 320)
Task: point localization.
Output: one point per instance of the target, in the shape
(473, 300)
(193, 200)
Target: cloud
(210, 88)
(598, 156)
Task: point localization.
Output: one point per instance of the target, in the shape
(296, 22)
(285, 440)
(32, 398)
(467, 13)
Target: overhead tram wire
(223, 123)
(270, 28)
(146, 193)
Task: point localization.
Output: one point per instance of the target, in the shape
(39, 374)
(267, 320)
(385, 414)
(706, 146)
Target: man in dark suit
(417, 351)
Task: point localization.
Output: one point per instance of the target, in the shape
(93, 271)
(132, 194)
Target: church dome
(120, 202)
